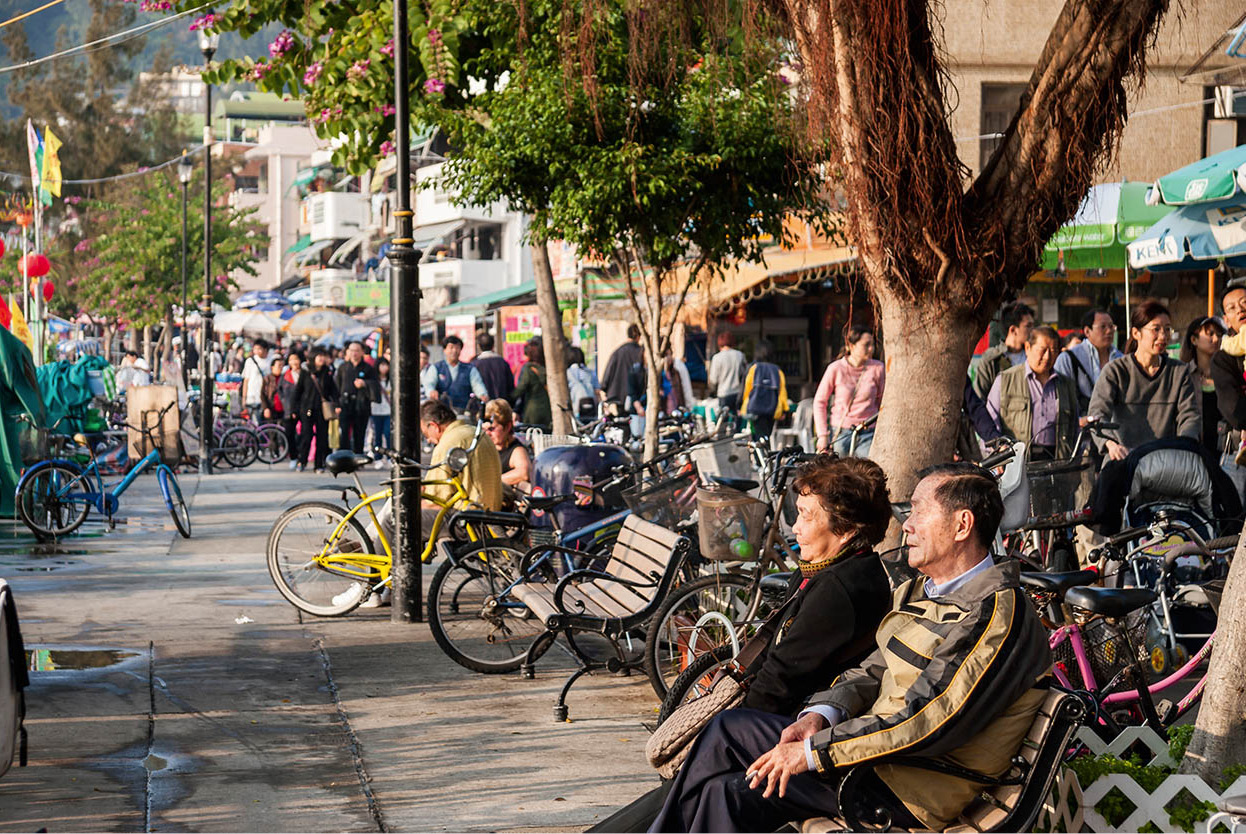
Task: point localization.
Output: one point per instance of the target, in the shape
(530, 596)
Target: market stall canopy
(318, 321)
(312, 251)
(1217, 177)
(482, 304)
(247, 322)
(1109, 218)
(59, 325)
(254, 298)
(1194, 237)
(340, 336)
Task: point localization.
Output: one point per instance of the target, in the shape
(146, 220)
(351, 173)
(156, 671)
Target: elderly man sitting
(956, 675)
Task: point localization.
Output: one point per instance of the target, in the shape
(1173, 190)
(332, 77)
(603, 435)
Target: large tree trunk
(1218, 738)
(553, 340)
(927, 353)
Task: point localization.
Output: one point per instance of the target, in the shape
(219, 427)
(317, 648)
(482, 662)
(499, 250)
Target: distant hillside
(74, 15)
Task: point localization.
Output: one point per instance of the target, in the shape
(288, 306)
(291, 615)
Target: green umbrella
(1214, 178)
(1110, 217)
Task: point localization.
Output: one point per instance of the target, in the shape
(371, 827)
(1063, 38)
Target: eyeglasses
(1157, 332)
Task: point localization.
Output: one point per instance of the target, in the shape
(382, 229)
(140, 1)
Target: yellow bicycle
(321, 556)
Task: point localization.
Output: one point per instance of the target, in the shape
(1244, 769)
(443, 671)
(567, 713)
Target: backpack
(763, 399)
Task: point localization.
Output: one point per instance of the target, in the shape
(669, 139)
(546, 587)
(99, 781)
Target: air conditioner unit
(334, 215)
(328, 287)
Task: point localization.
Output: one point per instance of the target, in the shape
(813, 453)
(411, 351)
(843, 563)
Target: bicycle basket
(1104, 650)
(1059, 486)
(730, 524)
(664, 502)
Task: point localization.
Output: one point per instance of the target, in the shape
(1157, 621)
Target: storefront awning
(746, 282)
(434, 233)
(482, 304)
(300, 244)
(312, 250)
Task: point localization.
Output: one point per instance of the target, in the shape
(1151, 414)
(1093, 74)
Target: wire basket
(1058, 486)
(730, 524)
(1106, 651)
(540, 441)
(665, 502)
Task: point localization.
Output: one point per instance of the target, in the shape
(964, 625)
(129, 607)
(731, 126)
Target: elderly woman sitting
(834, 602)
(516, 461)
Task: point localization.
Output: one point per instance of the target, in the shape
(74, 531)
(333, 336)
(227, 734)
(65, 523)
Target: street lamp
(208, 42)
(184, 171)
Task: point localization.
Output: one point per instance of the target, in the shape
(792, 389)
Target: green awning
(299, 245)
(481, 304)
(308, 174)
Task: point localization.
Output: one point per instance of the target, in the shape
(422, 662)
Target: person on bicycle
(958, 673)
(1034, 404)
(850, 392)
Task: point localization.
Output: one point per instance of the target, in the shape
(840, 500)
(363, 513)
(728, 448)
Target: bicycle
(331, 575)
(54, 497)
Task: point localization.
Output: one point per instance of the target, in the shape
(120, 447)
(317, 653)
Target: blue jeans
(864, 440)
(380, 430)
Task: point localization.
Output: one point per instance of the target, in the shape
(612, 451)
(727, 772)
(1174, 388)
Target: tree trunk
(553, 340)
(108, 331)
(147, 347)
(653, 389)
(132, 336)
(166, 348)
(1218, 739)
(927, 349)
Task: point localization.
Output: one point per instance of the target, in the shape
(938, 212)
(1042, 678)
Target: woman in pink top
(850, 392)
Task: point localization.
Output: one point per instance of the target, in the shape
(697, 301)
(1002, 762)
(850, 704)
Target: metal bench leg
(539, 646)
(560, 706)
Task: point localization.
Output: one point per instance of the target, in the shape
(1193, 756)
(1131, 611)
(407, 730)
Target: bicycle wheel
(273, 444)
(298, 536)
(670, 644)
(172, 492)
(240, 446)
(52, 503)
(694, 681)
(491, 640)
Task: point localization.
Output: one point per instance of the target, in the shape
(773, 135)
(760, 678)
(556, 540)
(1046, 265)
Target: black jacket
(309, 394)
(828, 629)
(1226, 373)
(357, 401)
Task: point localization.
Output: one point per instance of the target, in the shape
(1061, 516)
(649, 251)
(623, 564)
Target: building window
(999, 105)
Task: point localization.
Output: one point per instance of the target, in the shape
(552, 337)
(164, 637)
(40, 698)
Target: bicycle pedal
(1166, 710)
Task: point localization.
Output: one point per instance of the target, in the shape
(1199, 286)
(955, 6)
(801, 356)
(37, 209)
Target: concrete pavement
(225, 710)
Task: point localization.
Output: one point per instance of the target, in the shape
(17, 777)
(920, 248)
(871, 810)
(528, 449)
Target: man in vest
(457, 381)
(1033, 403)
(1016, 320)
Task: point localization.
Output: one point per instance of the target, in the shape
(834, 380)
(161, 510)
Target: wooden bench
(1011, 803)
(623, 595)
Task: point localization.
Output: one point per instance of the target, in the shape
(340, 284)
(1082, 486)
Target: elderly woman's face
(813, 530)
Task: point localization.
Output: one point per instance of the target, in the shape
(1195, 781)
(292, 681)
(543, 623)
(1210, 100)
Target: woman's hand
(824, 444)
(1115, 450)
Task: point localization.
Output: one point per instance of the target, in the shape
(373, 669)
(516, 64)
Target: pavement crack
(151, 732)
(352, 740)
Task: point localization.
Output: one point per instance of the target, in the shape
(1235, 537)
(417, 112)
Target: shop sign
(519, 324)
(367, 294)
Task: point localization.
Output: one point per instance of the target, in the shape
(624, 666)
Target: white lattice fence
(1070, 807)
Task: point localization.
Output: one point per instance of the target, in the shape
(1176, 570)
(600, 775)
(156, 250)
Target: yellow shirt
(482, 479)
(1234, 344)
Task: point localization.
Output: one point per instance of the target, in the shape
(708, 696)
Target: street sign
(367, 294)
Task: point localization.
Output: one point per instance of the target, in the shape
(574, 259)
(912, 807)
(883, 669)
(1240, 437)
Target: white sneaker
(350, 594)
(294, 464)
(376, 600)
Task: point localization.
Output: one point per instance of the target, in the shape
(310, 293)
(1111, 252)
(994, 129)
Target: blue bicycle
(54, 497)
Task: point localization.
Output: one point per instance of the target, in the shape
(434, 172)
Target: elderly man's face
(431, 430)
(934, 535)
(1041, 355)
(1101, 332)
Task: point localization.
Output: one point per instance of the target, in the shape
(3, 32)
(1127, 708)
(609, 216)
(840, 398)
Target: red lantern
(35, 265)
(5, 315)
(48, 289)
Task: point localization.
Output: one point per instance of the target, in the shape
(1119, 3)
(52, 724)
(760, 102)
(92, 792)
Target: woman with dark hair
(1202, 340)
(850, 393)
(1150, 395)
(317, 399)
(765, 391)
(531, 394)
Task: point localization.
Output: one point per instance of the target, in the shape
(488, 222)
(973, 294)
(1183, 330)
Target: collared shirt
(428, 382)
(476, 381)
(1088, 356)
(1044, 404)
(834, 715)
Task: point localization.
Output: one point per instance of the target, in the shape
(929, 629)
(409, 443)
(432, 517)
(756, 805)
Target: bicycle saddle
(549, 503)
(1059, 583)
(774, 586)
(345, 461)
(1110, 602)
(742, 484)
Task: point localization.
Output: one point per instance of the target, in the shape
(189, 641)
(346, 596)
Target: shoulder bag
(668, 747)
(327, 411)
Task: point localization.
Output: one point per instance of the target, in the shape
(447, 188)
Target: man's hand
(1115, 450)
(359, 383)
(337, 410)
(777, 766)
(802, 728)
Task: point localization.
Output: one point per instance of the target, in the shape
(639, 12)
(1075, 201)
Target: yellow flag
(18, 326)
(51, 173)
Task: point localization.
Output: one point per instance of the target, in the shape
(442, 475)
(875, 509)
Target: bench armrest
(530, 557)
(586, 573)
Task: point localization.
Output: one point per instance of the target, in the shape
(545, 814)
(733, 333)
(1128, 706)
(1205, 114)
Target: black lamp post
(184, 171)
(208, 42)
(404, 312)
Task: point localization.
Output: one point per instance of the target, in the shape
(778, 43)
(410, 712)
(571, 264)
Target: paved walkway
(226, 712)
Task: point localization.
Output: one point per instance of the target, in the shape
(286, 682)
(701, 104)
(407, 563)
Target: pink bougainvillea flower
(387, 148)
(434, 36)
(434, 86)
(388, 49)
(313, 73)
(281, 44)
